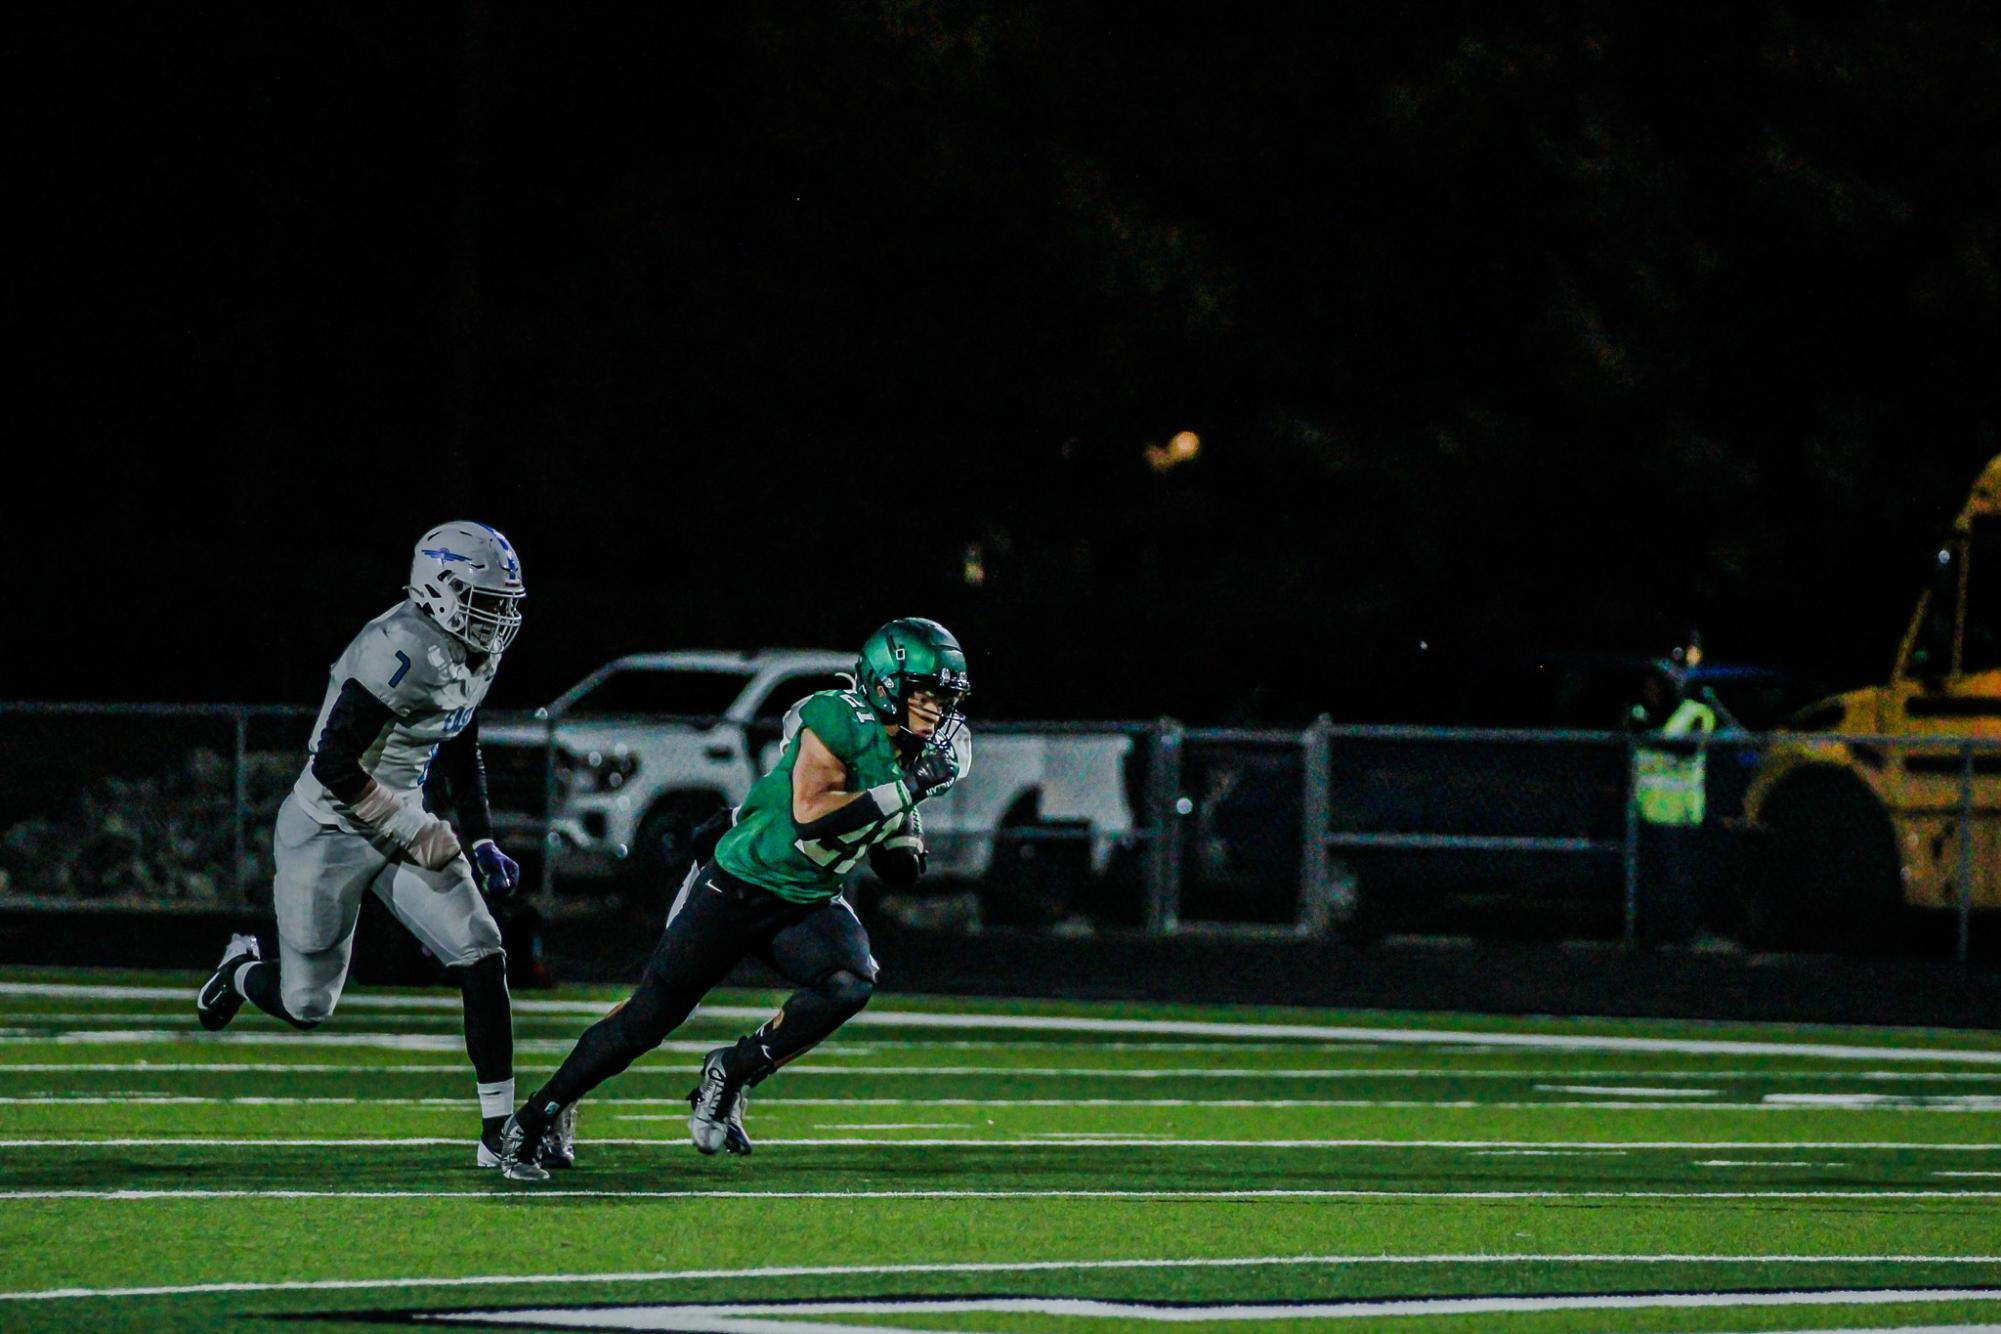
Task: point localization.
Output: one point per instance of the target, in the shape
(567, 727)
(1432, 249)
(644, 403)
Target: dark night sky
(1506, 329)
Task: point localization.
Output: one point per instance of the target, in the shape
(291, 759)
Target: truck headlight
(597, 771)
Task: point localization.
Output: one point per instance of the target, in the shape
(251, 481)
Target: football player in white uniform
(403, 697)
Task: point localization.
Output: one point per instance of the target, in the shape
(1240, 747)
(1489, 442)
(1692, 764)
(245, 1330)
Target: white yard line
(781, 1103)
(1972, 1101)
(422, 1141)
(1449, 1104)
(1001, 1267)
(666, 1070)
(251, 1067)
(749, 1317)
(1627, 1091)
(1155, 1027)
(1249, 1193)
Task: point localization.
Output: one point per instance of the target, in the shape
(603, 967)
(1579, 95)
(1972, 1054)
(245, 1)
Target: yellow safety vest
(1667, 786)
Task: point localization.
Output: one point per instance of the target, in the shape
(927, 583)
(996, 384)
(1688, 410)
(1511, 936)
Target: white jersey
(406, 660)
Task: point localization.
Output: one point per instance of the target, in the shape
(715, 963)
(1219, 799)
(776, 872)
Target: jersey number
(842, 853)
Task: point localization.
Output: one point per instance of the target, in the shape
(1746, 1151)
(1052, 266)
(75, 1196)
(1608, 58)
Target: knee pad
(308, 1009)
(846, 990)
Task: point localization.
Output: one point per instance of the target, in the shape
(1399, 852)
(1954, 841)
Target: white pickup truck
(649, 745)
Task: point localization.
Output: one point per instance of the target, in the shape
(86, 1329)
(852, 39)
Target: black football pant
(820, 947)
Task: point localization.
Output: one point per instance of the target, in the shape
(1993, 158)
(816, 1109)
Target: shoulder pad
(399, 664)
(837, 717)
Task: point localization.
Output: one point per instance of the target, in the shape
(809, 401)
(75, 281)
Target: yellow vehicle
(1884, 808)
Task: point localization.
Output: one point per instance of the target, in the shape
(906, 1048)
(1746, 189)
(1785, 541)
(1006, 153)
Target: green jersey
(764, 847)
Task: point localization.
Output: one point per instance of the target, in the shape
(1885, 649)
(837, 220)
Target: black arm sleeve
(356, 722)
(463, 770)
(860, 813)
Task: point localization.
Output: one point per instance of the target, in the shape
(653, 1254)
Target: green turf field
(987, 1166)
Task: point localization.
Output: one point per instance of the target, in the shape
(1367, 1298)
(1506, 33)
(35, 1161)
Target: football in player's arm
(853, 769)
(402, 704)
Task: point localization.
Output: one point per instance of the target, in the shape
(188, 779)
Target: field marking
(747, 1317)
(508, 1195)
(1861, 1103)
(779, 1103)
(105, 1037)
(1440, 1104)
(426, 1141)
(893, 1018)
(983, 1267)
(1626, 1091)
(661, 1069)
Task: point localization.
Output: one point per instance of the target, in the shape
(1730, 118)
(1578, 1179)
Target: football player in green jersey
(853, 768)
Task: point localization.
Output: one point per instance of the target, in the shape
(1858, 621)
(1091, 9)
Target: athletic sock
(496, 1099)
(258, 983)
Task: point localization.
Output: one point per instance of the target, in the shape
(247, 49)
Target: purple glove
(498, 872)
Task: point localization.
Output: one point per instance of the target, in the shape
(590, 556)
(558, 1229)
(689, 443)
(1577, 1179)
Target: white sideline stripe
(1628, 1091)
(996, 1267)
(779, 1103)
(661, 1069)
(250, 1067)
(744, 1318)
(1770, 1102)
(1449, 1104)
(1249, 1193)
(383, 1041)
(420, 1141)
(1162, 1027)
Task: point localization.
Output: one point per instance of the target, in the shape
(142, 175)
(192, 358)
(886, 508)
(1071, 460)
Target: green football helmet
(907, 656)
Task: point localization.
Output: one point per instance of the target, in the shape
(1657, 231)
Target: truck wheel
(1828, 873)
(661, 848)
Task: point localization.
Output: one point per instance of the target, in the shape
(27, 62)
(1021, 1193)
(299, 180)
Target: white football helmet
(466, 577)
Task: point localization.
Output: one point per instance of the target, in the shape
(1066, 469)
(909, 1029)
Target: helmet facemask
(488, 619)
(947, 686)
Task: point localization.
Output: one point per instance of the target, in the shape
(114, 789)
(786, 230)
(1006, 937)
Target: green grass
(980, 1161)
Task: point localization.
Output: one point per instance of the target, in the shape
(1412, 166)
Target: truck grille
(516, 778)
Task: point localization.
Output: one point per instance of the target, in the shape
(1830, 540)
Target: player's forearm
(829, 815)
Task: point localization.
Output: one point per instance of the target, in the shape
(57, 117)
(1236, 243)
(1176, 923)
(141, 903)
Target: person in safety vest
(1670, 771)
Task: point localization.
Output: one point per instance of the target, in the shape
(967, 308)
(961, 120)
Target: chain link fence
(1368, 830)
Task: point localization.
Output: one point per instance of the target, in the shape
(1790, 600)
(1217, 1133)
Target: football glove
(931, 770)
(498, 872)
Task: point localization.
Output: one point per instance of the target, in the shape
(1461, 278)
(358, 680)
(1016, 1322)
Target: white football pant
(322, 874)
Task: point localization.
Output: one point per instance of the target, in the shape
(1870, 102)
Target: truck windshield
(1980, 647)
(672, 691)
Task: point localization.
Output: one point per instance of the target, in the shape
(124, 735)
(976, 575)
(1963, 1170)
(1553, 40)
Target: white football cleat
(716, 1105)
(515, 1158)
(559, 1141)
